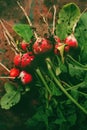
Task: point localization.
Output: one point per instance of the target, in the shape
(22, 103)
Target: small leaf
(76, 71)
(61, 119)
(55, 91)
(8, 87)
(57, 71)
(10, 99)
(39, 117)
(75, 94)
(24, 31)
(72, 119)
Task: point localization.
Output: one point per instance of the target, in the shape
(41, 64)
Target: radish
(71, 41)
(42, 45)
(17, 60)
(25, 77)
(14, 72)
(66, 48)
(23, 60)
(24, 45)
(26, 59)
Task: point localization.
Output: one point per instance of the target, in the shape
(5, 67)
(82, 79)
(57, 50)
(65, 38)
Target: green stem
(76, 86)
(43, 80)
(47, 90)
(63, 89)
(82, 93)
(77, 63)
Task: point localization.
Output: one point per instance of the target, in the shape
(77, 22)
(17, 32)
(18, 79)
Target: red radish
(42, 45)
(66, 48)
(14, 72)
(24, 45)
(26, 59)
(25, 77)
(17, 60)
(57, 45)
(71, 41)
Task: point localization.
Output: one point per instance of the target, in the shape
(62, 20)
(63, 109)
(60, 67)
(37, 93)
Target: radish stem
(62, 88)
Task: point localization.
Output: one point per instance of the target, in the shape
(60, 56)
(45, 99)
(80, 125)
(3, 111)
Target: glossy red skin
(24, 46)
(26, 59)
(67, 48)
(42, 46)
(17, 60)
(14, 72)
(71, 41)
(25, 77)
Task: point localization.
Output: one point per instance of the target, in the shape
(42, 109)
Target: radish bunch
(69, 42)
(21, 62)
(40, 46)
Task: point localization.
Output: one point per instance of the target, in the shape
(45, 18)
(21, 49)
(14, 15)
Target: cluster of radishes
(21, 61)
(68, 43)
(40, 46)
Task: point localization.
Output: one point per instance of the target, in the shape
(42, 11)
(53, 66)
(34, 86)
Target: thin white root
(8, 37)
(44, 19)
(54, 17)
(48, 11)
(6, 31)
(4, 67)
(4, 77)
(27, 17)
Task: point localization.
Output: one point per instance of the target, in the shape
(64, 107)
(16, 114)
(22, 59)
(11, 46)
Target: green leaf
(10, 99)
(40, 117)
(81, 36)
(63, 68)
(8, 87)
(76, 71)
(24, 31)
(61, 119)
(68, 16)
(72, 119)
(61, 30)
(75, 94)
(55, 91)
